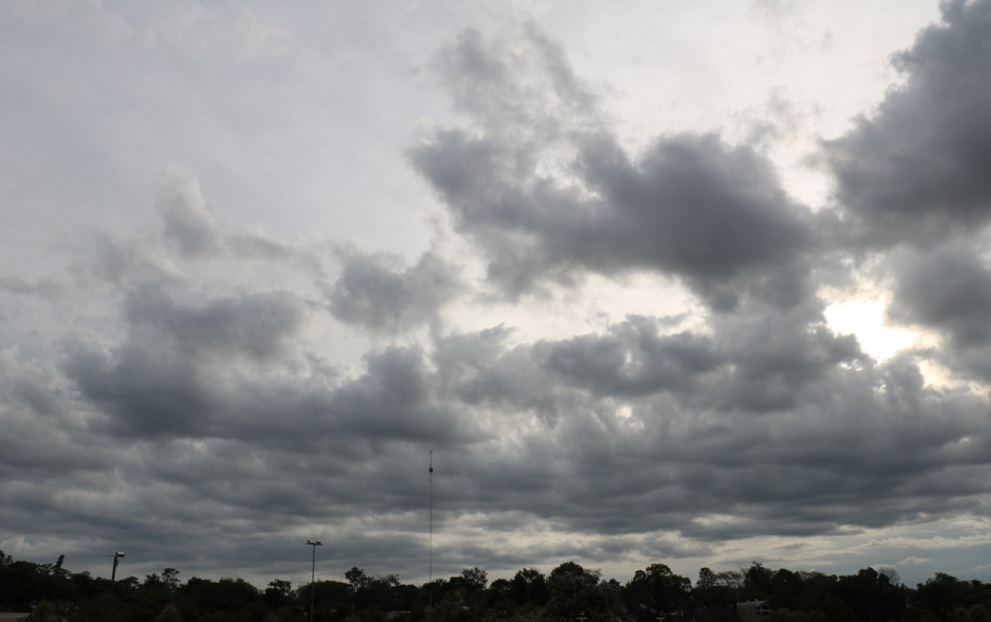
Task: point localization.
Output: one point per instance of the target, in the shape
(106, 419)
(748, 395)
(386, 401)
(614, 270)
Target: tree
(44, 612)
(381, 592)
(869, 595)
(23, 584)
(787, 615)
(714, 596)
(529, 587)
(787, 589)
(499, 594)
(920, 615)
(235, 597)
(328, 597)
(730, 578)
(657, 590)
(892, 575)
(757, 581)
(979, 613)
(940, 594)
(475, 578)
(357, 578)
(707, 578)
(574, 591)
(279, 593)
(169, 614)
(570, 590)
(170, 579)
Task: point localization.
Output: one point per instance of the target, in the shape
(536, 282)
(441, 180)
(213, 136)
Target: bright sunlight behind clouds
(865, 319)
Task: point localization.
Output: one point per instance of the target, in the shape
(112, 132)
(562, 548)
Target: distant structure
(430, 521)
(430, 478)
(753, 610)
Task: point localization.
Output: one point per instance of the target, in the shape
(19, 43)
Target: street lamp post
(113, 578)
(313, 572)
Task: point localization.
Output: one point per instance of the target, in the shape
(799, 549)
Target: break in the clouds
(617, 347)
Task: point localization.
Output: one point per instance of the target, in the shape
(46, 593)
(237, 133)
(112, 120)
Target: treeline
(567, 593)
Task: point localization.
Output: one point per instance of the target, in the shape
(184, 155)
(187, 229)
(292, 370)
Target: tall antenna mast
(430, 478)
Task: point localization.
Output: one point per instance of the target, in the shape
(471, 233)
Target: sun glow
(865, 320)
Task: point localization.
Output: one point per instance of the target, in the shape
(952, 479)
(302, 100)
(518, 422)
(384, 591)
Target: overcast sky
(697, 283)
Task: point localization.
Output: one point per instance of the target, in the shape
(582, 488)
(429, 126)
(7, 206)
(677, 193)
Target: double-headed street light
(313, 572)
(113, 578)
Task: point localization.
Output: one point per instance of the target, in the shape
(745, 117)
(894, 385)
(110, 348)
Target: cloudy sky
(693, 283)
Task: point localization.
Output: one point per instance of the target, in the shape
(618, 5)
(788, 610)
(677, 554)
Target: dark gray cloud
(379, 293)
(695, 207)
(689, 206)
(396, 399)
(254, 325)
(917, 166)
(911, 186)
(166, 379)
(145, 390)
(634, 360)
(663, 465)
(947, 289)
(670, 460)
(778, 359)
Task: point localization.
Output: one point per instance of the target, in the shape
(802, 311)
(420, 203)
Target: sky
(698, 284)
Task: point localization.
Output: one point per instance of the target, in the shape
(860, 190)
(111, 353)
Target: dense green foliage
(568, 593)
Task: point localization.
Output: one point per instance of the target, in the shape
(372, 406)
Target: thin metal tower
(430, 478)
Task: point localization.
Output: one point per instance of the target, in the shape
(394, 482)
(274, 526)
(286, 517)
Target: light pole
(113, 578)
(313, 572)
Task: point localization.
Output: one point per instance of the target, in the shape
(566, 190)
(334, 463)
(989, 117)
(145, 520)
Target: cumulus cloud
(949, 289)
(188, 224)
(916, 167)
(946, 290)
(669, 460)
(256, 325)
(377, 292)
(634, 359)
(190, 231)
(690, 205)
(911, 188)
